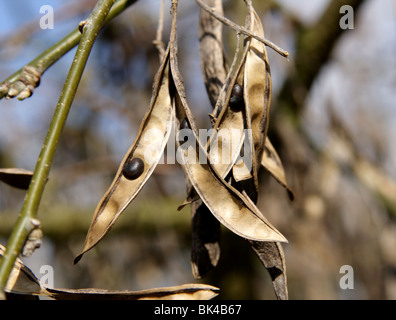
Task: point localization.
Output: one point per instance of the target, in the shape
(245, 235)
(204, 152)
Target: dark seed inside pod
(236, 99)
(133, 168)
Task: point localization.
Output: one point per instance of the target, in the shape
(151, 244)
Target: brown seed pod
(257, 97)
(224, 201)
(133, 174)
(257, 88)
(16, 177)
(271, 161)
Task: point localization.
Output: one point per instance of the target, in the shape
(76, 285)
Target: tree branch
(241, 29)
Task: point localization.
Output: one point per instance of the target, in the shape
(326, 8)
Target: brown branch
(241, 29)
(213, 65)
(158, 42)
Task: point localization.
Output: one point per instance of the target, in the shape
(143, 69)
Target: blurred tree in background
(332, 122)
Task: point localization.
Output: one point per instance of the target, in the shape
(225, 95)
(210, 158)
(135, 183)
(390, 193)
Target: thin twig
(17, 239)
(242, 30)
(159, 44)
(220, 101)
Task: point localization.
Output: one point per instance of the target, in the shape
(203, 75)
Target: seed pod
(271, 161)
(257, 92)
(133, 169)
(193, 291)
(257, 88)
(205, 239)
(16, 177)
(272, 257)
(133, 174)
(224, 149)
(22, 281)
(225, 202)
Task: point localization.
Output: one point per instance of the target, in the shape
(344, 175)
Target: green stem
(47, 58)
(17, 239)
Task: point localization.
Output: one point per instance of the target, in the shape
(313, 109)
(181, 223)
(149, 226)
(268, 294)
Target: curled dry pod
(205, 228)
(225, 202)
(16, 177)
(23, 282)
(138, 163)
(272, 256)
(188, 291)
(205, 244)
(257, 89)
(257, 94)
(228, 136)
(226, 142)
(271, 161)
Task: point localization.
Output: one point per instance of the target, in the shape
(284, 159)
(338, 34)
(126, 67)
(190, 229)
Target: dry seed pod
(271, 161)
(224, 201)
(257, 91)
(138, 163)
(22, 281)
(224, 149)
(226, 143)
(191, 291)
(272, 256)
(257, 87)
(205, 228)
(16, 177)
(257, 94)
(240, 171)
(205, 246)
(233, 118)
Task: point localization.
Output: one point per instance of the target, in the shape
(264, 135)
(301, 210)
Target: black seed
(133, 169)
(236, 99)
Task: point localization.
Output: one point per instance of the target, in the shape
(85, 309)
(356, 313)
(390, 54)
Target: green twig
(90, 30)
(47, 58)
